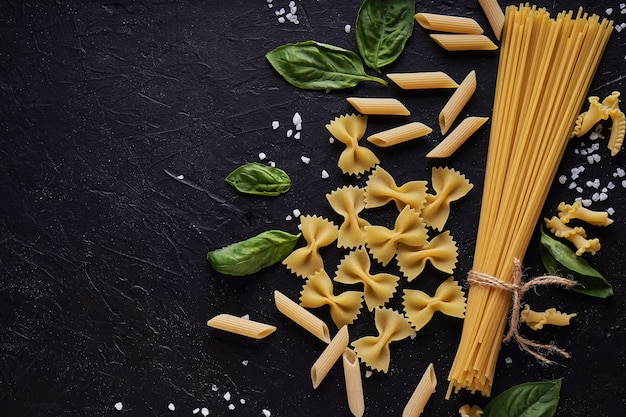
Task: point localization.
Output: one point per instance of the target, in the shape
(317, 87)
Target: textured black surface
(119, 122)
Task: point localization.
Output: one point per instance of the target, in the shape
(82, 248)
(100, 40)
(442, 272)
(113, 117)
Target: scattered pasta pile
(545, 69)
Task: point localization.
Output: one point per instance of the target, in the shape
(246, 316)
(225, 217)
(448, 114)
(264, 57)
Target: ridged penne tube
(457, 137)
(241, 326)
(302, 316)
(422, 80)
(354, 384)
(462, 42)
(422, 393)
(329, 356)
(494, 14)
(399, 134)
(448, 24)
(456, 103)
(378, 106)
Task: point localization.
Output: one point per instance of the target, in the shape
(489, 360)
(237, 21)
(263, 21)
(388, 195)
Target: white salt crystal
(596, 157)
(296, 119)
(331, 140)
(281, 20)
(624, 183)
(586, 202)
(214, 387)
(579, 189)
(266, 412)
(118, 406)
(347, 28)
(508, 360)
(196, 410)
(227, 396)
(296, 213)
(275, 124)
(279, 12)
(299, 126)
(205, 411)
(622, 5)
(576, 151)
(595, 146)
(244, 362)
(325, 174)
(623, 11)
(368, 373)
(583, 152)
(610, 185)
(611, 211)
(180, 177)
(297, 135)
(609, 11)
(262, 156)
(305, 159)
(231, 406)
(594, 135)
(272, 164)
(572, 185)
(603, 196)
(619, 172)
(288, 218)
(245, 317)
(590, 159)
(242, 401)
(562, 179)
(171, 407)
(595, 197)
(619, 29)
(289, 133)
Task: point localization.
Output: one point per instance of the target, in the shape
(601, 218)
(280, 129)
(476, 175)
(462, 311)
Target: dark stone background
(105, 289)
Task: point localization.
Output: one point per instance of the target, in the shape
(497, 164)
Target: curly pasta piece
(576, 235)
(355, 268)
(420, 307)
(441, 251)
(537, 319)
(348, 202)
(381, 188)
(449, 185)
(568, 212)
(349, 129)
(618, 130)
(470, 411)
(318, 291)
(317, 232)
(409, 229)
(374, 350)
(586, 120)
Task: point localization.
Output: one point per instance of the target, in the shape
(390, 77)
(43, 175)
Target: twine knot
(517, 290)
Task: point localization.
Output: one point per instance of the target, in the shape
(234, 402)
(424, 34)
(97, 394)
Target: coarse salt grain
(594, 135)
(244, 362)
(245, 317)
(231, 407)
(196, 410)
(296, 213)
(604, 196)
(275, 124)
(624, 183)
(562, 179)
(619, 29)
(331, 140)
(368, 373)
(118, 406)
(508, 360)
(296, 119)
(214, 387)
(609, 11)
(289, 133)
(266, 412)
(611, 211)
(205, 411)
(579, 189)
(288, 217)
(226, 396)
(619, 172)
(279, 12)
(171, 407)
(297, 135)
(347, 28)
(242, 401)
(590, 159)
(272, 164)
(281, 20)
(610, 185)
(586, 202)
(305, 159)
(262, 156)
(325, 174)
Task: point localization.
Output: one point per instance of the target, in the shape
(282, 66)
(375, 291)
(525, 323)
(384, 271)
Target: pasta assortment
(349, 129)
(441, 251)
(448, 300)
(381, 189)
(449, 185)
(348, 202)
(318, 232)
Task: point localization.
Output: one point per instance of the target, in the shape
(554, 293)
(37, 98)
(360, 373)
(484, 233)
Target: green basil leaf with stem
(532, 399)
(253, 254)
(382, 29)
(313, 65)
(558, 258)
(259, 179)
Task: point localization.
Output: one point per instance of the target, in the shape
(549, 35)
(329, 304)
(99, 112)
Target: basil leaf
(382, 30)
(253, 254)
(532, 399)
(259, 179)
(558, 258)
(318, 66)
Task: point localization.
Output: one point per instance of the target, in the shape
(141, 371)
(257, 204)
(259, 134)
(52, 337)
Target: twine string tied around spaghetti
(517, 290)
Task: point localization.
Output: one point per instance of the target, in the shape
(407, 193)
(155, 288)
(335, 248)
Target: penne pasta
(302, 316)
(241, 326)
(448, 24)
(422, 80)
(354, 384)
(399, 134)
(329, 356)
(378, 106)
(494, 14)
(456, 103)
(422, 393)
(457, 137)
(462, 42)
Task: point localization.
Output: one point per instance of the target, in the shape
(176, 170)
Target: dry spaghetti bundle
(545, 70)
